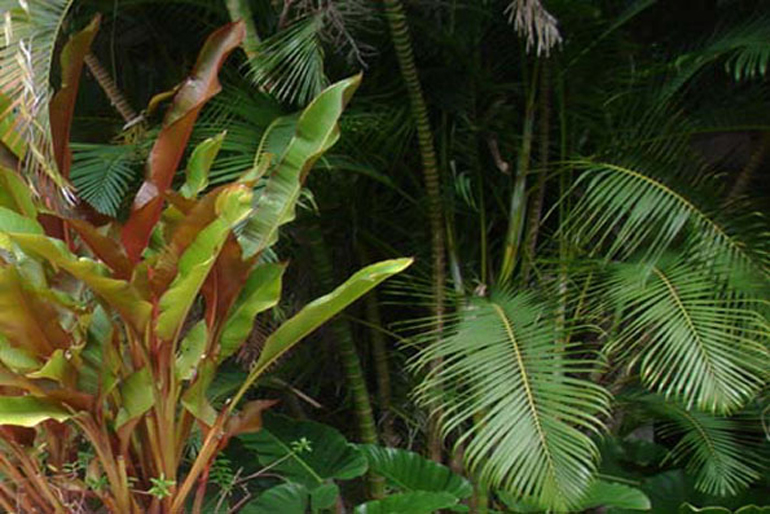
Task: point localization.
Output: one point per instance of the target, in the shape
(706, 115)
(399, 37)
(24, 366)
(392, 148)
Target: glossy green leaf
(408, 471)
(15, 194)
(191, 350)
(195, 399)
(261, 292)
(138, 395)
(15, 222)
(614, 495)
(56, 368)
(417, 502)
(18, 359)
(330, 455)
(286, 498)
(199, 165)
(317, 312)
(28, 411)
(316, 132)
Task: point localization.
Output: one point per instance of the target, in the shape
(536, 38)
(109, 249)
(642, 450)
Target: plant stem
(241, 10)
(116, 97)
(396, 17)
(351, 364)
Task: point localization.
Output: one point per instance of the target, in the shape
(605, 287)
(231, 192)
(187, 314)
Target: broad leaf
(418, 502)
(138, 395)
(409, 471)
(195, 399)
(503, 364)
(286, 498)
(191, 350)
(316, 132)
(317, 312)
(329, 456)
(28, 411)
(614, 495)
(197, 172)
(261, 292)
(172, 140)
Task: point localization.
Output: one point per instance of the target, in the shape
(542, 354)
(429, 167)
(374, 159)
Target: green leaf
(316, 132)
(261, 292)
(195, 399)
(138, 395)
(191, 350)
(197, 172)
(56, 368)
(318, 312)
(286, 498)
(691, 341)
(15, 194)
(17, 359)
(324, 497)
(503, 363)
(409, 471)
(417, 502)
(15, 222)
(330, 455)
(232, 205)
(126, 300)
(28, 411)
(104, 173)
(614, 495)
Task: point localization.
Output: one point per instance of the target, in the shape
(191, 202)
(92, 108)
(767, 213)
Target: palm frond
(504, 367)
(690, 339)
(103, 174)
(722, 453)
(290, 64)
(31, 31)
(624, 209)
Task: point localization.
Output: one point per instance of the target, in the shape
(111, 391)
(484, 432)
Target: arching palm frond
(624, 209)
(504, 367)
(290, 64)
(722, 453)
(31, 31)
(745, 49)
(691, 341)
(103, 174)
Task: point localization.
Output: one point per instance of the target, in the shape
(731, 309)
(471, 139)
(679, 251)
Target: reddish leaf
(106, 249)
(225, 282)
(62, 105)
(164, 158)
(26, 319)
(249, 419)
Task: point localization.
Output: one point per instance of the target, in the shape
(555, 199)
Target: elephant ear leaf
(289, 498)
(409, 471)
(417, 502)
(316, 131)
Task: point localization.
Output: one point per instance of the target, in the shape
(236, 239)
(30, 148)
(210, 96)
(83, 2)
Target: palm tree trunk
(394, 12)
(351, 364)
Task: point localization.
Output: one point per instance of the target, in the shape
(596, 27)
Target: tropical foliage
(583, 185)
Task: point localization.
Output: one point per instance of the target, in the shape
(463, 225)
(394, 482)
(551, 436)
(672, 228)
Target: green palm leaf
(690, 339)
(504, 367)
(31, 30)
(103, 174)
(722, 453)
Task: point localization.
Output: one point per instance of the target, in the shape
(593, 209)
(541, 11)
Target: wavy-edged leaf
(504, 365)
(172, 140)
(722, 453)
(316, 131)
(261, 292)
(691, 341)
(199, 165)
(317, 312)
(29, 411)
(416, 502)
(329, 456)
(409, 471)
(233, 204)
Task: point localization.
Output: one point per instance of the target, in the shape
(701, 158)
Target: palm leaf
(691, 340)
(625, 208)
(26, 59)
(289, 65)
(722, 453)
(503, 367)
(103, 174)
